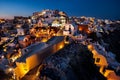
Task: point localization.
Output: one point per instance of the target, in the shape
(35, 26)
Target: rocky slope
(74, 62)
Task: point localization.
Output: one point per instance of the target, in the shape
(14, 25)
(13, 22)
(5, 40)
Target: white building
(68, 29)
(20, 31)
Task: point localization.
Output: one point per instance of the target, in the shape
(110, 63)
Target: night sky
(109, 9)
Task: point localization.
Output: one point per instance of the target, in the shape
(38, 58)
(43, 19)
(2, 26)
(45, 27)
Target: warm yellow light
(37, 35)
(66, 42)
(54, 34)
(14, 58)
(111, 75)
(90, 47)
(44, 12)
(18, 26)
(61, 46)
(4, 46)
(29, 20)
(44, 40)
(80, 29)
(10, 69)
(5, 50)
(37, 74)
(2, 56)
(88, 32)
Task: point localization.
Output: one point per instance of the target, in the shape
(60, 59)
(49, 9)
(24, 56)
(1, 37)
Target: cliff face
(3, 75)
(74, 62)
(113, 39)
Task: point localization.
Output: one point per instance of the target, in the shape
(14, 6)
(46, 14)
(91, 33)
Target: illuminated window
(98, 60)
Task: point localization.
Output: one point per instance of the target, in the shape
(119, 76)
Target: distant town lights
(2, 56)
(61, 46)
(43, 12)
(10, 69)
(5, 50)
(29, 20)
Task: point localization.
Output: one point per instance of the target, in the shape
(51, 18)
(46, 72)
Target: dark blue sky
(96, 8)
